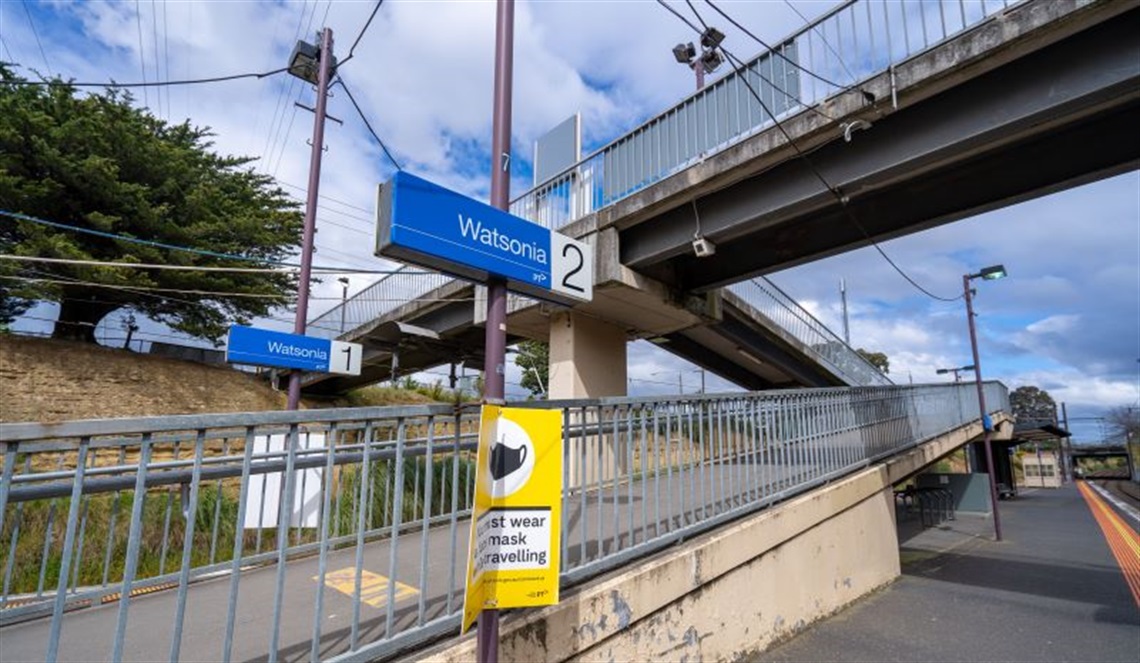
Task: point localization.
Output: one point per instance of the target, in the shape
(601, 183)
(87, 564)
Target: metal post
(299, 322)
(495, 347)
(699, 69)
(1066, 448)
(343, 300)
(982, 406)
(846, 327)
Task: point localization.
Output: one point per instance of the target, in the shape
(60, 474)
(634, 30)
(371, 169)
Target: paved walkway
(1052, 590)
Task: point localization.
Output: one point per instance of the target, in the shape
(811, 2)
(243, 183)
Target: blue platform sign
(429, 225)
(263, 347)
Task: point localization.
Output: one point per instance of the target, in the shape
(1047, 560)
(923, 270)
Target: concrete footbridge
(951, 109)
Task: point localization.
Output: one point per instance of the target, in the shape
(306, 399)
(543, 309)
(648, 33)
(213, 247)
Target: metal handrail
(73, 515)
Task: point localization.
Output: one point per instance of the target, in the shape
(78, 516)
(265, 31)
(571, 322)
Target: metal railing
(342, 533)
(853, 42)
(819, 342)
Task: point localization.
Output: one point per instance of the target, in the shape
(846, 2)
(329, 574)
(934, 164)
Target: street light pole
(495, 342)
(324, 69)
(986, 425)
(343, 299)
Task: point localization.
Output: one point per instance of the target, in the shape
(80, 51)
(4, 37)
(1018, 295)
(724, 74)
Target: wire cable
(186, 268)
(352, 49)
(740, 68)
(157, 58)
(340, 80)
(145, 85)
(774, 51)
(138, 288)
(327, 197)
(175, 247)
(822, 38)
(36, 32)
(704, 26)
(142, 58)
(839, 196)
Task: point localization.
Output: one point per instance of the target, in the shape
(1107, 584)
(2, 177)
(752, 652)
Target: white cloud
(1054, 324)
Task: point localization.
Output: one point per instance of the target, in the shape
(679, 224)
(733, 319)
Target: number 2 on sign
(571, 267)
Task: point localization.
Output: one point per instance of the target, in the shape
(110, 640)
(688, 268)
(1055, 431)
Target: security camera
(703, 247)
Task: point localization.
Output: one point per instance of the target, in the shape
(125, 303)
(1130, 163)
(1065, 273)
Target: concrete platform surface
(1051, 590)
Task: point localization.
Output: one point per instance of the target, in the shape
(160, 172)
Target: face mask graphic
(505, 460)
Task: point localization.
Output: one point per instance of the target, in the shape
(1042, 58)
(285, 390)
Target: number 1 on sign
(344, 358)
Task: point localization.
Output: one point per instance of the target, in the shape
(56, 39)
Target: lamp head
(304, 61)
(685, 52)
(942, 371)
(710, 60)
(343, 280)
(711, 38)
(992, 273)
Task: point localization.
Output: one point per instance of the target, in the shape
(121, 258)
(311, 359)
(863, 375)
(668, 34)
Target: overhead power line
(36, 33)
(139, 265)
(774, 51)
(352, 50)
(175, 247)
(190, 268)
(822, 38)
(340, 80)
(738, 66)
(150, 84)
(138, 288)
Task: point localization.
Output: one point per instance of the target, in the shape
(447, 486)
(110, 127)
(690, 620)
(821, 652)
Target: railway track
(1127, 491)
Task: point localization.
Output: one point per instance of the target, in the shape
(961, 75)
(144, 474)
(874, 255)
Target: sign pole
(487, 650)
(324, 71)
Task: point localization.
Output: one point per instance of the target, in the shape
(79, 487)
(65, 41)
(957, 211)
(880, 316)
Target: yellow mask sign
(513, 551)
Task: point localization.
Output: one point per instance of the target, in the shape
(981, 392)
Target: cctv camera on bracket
(703, 248)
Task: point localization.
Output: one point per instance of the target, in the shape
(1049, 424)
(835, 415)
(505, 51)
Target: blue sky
(1067, 319)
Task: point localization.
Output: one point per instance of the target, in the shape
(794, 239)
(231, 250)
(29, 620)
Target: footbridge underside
(981, 122)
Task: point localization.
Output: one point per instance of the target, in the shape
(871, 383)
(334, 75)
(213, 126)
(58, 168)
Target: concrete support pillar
(587, 357)
(587, 360)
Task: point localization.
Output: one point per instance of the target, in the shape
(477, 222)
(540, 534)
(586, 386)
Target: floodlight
(710, 60)
(303, 62)
(711, 38)
(685, 52)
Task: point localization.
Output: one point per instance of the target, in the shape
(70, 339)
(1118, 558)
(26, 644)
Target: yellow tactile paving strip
(1122, 539)
(373, 586)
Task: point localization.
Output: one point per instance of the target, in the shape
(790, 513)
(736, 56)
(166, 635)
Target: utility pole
(324, 70)
(986, 425)
(1066, 447)
(843, 298)
(495, 344)
(343, 299)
